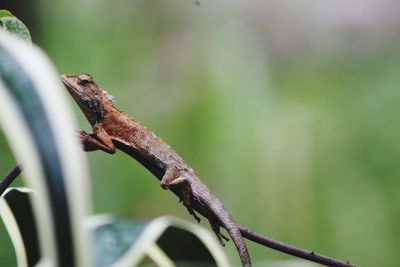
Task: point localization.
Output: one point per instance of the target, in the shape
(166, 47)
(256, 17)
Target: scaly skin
(114, 129)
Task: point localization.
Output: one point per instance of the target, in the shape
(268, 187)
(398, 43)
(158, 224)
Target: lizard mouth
(71, 85)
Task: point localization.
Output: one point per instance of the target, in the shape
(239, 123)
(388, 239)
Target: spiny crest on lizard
(109, 96)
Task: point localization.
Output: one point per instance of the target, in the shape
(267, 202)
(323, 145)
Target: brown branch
(292, 250)
(9, 177)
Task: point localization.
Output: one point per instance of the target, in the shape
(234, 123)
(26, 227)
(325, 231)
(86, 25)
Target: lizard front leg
(99, 139)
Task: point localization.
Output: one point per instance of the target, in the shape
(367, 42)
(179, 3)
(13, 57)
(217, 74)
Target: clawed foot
(97, 140)
(216, 228)
(191, 212)
(82, 136)
(186, 201)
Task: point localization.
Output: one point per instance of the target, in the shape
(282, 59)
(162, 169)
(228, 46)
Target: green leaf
(114, 239)
(163, 241)
(17, 214)
(5, 13)
(29, 116)
(12, 24)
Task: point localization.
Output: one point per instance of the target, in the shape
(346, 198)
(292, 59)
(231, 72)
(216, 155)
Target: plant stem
(292, 250)
(9, 177)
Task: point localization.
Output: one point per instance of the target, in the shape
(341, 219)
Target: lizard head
(93, 101)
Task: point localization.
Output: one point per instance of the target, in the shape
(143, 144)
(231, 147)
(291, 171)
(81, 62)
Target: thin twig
(292, 250)
(9, 177)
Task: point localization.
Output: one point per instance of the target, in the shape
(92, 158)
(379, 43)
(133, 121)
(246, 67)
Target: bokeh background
(288, 110)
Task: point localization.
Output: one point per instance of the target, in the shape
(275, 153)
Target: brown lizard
(115, 129)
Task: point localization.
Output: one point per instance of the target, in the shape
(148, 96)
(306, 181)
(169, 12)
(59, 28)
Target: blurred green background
(287, 110)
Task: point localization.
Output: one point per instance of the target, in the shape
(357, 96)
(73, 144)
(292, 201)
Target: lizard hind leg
(185, 198)
(191, 212)
(172, 178)
(216, 228)
(171, 174)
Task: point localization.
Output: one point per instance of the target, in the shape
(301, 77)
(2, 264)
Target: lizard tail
(234, 232)
(224, 219)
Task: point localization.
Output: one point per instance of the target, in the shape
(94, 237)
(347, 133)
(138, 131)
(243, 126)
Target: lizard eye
(84, 79)
(84, 82)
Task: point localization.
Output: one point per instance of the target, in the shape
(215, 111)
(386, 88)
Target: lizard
(114, 129)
